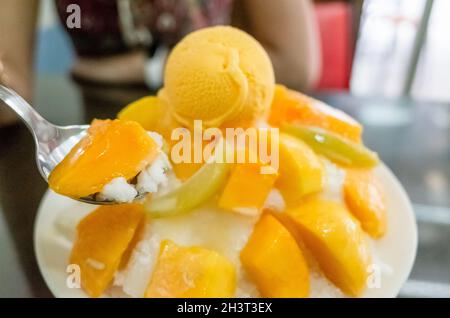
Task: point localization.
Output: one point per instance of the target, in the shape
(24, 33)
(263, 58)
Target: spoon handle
(39, 126)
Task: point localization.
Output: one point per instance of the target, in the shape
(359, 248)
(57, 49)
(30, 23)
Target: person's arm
(287, 29)
(17, 29)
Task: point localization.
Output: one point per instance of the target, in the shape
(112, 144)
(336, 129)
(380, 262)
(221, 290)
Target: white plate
(396, 250)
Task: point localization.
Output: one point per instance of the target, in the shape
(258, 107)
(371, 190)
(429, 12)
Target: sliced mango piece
(251, 179)
(147, 111)
(365, 199)
(289, 106)
(138, 236)
(247, 189)
(301, 172)
(336, 148)
(190, 194)
(152, 113)
(274, 261)
(185, 170)
(336, 240)
(111, 149)
(102, 238)
(191, 272)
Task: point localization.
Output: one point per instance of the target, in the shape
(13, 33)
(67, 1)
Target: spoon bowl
(53, 142)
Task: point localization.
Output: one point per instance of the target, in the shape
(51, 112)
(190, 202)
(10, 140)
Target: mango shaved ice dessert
(212, 228)
(104, 164)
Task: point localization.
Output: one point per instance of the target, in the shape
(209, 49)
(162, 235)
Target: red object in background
(336, 37)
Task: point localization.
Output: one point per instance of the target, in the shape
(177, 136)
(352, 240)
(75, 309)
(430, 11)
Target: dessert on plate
(103, 164)
(213, 228)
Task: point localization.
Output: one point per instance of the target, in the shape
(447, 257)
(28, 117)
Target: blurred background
(394, 54)
(372, 48)
(386, 62)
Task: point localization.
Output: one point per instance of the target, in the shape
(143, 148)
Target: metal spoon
(53, 142)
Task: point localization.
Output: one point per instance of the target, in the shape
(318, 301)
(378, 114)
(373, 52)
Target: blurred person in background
(125, 42)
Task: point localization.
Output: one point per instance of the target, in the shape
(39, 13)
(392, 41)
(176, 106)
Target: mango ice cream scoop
(220, 75)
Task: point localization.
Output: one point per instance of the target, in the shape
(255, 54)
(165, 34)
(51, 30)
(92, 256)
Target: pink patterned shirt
(116, 26)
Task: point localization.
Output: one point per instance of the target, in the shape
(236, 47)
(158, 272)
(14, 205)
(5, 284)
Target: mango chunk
(247, 189)
(336, 240)
(185, 170)
(111, 149)
(365, 199)
(289, 106)
(274, 261)
(147, 111)
(191, 272)
(253, 177)
(152, 113)
(301, 172)
(102, 238)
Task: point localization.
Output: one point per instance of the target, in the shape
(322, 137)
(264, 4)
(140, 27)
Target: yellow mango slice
(147, 111)
(138, 236)
(251, 179)
(336, 240)
(247, 189)
(301, 172)
(185, 170)
(289, 106)
(274, 261)
(102, 238)
(191, 272)
(112, 148)
(152, 113)
(365, 199)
